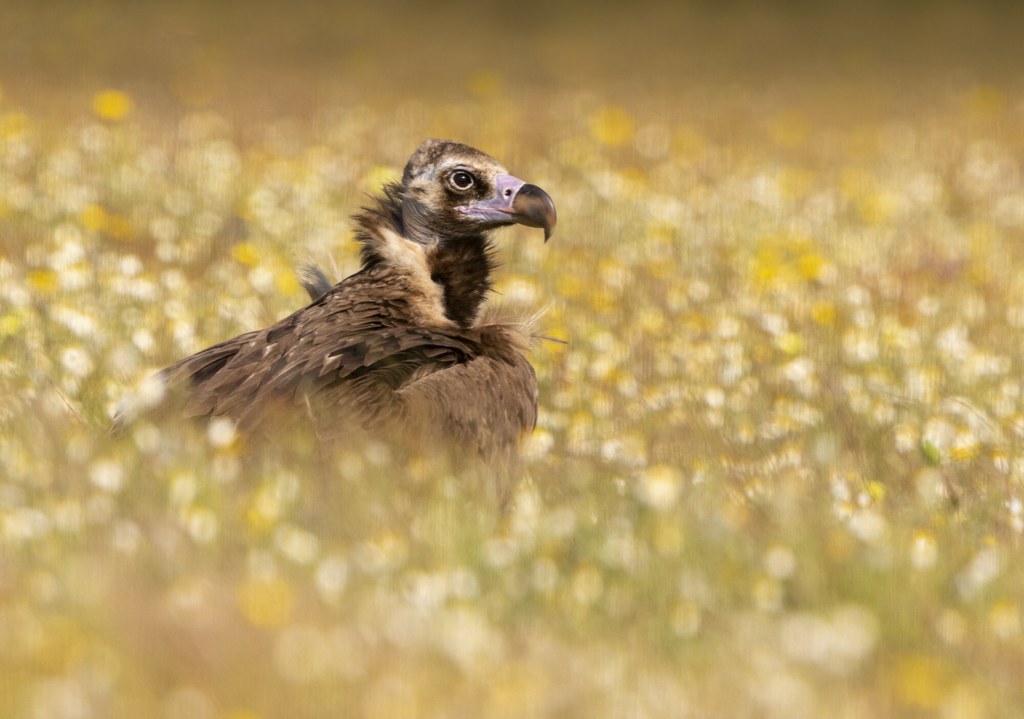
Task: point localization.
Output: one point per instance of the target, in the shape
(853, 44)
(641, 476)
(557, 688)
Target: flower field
(779, 465)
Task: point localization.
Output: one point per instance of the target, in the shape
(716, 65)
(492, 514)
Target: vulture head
(439, 218)
(452, 191)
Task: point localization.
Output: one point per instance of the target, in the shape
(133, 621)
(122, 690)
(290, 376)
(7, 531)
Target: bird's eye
(461, 180)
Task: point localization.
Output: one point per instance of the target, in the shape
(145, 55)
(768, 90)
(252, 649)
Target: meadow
(779, 464)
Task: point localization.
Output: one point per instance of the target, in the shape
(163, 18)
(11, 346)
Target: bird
(405, 349)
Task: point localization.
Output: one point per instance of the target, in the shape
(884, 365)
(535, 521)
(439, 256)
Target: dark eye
(461, 180)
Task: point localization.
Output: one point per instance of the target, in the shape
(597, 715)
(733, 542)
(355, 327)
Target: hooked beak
(515, 201)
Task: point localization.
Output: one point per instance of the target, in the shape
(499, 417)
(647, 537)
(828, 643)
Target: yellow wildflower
(119, 227)
(790, 342)
(42, 280)
(285, 281)
(9, 325)
(612, 126)
(94, 218)
(810, 266)
(922, 681)
(824, 313)
(13, 124)
(266, 602)
(246, 253)
(113, 105)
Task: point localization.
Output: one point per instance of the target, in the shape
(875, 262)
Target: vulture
(403, 349)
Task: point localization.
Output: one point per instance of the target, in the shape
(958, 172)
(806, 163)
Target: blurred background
(263, 60)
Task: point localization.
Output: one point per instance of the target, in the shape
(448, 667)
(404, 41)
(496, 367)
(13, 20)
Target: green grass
(778, 467)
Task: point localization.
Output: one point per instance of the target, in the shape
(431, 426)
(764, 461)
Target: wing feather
(354, 331)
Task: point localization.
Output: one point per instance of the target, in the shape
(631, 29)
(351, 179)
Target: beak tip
(535, 208)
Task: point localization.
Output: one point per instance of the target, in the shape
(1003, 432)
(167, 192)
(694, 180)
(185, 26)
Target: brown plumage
(399, 348)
